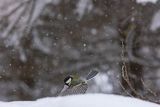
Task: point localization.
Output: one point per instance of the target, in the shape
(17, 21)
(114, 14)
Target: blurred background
(42, 41)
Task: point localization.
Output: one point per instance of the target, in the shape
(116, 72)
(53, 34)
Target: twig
(148, 89)
(124, 89)
(125, 74)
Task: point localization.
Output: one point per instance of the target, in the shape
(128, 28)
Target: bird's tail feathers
(92, 74)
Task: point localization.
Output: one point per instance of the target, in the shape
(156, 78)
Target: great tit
(74, 84)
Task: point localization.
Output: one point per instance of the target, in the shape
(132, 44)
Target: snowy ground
(88, 100)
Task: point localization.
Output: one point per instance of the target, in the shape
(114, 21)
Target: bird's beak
(64, 88)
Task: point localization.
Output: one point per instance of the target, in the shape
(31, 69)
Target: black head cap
(67, 78)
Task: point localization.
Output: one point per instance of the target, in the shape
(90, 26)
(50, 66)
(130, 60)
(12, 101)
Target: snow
(87, 100)
(145, 1)
(83, 6)
(155, 24)
(40, 5)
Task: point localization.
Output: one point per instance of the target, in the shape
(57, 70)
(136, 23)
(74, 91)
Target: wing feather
(78, 89)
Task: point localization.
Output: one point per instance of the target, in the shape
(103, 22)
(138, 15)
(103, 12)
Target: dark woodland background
(42, 41)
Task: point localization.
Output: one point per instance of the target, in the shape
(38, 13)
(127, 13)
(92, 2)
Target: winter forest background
(42, 41)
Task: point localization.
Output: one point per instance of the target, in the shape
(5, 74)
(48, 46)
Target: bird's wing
(78, 89)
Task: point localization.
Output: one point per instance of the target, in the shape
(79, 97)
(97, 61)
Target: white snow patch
(155, 24)
(88, 100)
(146, 1)
(83, 6)
(40, 5)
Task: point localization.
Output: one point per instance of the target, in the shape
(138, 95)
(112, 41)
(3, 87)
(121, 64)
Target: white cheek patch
(68, 81)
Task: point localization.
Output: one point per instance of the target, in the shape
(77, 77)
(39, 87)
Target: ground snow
(88, 100)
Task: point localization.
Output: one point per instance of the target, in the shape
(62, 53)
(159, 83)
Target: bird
(74, 84)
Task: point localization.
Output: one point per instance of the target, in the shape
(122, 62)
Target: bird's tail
(92, 74)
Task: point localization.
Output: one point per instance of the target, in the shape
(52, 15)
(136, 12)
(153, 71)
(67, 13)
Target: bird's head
(68, 80)
(73, 80)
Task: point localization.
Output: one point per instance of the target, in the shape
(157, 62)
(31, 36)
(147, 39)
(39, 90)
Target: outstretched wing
(78, 89)
(92, 74)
